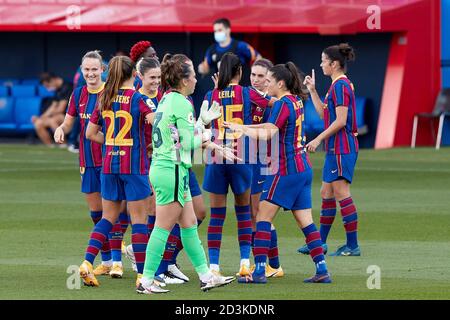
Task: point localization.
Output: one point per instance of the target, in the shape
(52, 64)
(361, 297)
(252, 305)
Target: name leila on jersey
(226, 94)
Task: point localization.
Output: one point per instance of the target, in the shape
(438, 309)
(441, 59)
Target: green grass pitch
(402, 197)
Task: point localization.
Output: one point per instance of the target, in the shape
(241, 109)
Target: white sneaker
(153, 288)
(176, 272)
(169, 278)
(129, 253)
(215, 282)
(72, 149)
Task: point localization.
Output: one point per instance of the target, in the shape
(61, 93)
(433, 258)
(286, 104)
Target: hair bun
(347, 51)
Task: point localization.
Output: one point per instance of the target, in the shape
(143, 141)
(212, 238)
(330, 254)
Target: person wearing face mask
(225, 43)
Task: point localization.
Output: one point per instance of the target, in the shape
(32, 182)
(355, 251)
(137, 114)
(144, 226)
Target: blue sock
(262, 244)
(274, 260)
(97, 238)
(244, 223)
(150, 224)
(314, 243)
(162, 267)
(124, 220)
(176, 234)
(215, 233)
(327, 215)
(139, 240)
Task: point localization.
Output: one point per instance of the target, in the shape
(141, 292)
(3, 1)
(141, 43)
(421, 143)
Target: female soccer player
(258, 80)
(82, 104)
(141, 49)
(341, 145)
(236, 103)
(173, 139)
(149, 71)
(290, 186)
(120, 115)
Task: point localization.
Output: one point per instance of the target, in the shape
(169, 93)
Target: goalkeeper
(174, 136)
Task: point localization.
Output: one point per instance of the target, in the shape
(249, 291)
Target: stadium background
(400, 69)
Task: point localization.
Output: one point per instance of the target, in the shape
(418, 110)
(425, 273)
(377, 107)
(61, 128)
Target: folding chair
(441, 111)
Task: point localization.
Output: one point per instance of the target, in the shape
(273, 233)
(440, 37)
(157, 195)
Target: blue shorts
(219, 176)
(193, 184)
(257, 179)
(339, 166)
(291, 192)
(90, 179)
(129, 187)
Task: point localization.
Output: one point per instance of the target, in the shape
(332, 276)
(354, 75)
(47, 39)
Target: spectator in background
(225, 43)
(53, 116)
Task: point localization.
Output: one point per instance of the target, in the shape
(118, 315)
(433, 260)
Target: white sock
(146, 282)
(214, 267)
(205, 276)
(245, 262)
(108, 263)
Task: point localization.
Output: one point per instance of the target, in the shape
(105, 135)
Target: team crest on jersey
(150, 103)
(190, 118)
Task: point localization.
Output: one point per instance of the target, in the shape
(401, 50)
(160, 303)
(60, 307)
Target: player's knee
(341, 193)
(326, 193)
(200, 213)
(38, 124)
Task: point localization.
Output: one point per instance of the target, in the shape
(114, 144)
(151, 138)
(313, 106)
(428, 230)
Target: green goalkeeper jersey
(174, 112)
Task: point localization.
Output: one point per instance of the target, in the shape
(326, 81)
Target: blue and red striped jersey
(137, 83)
(153, 102)
(124, 150)
(341, 93)
(82, 104)
(237, 104)
(288, 115)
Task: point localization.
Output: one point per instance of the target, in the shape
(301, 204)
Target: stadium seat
(22, 91)
(31, 81)
(44, 93)
(360, 112)
(4, 91)
(25, 108)
(8, 82)
(7, 122)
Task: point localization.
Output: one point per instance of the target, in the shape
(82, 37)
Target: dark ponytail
(179, 58)
(145, 64)
(120, 69)
(292, 77)
(173, 71)
(230, 66)
(342, 52)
